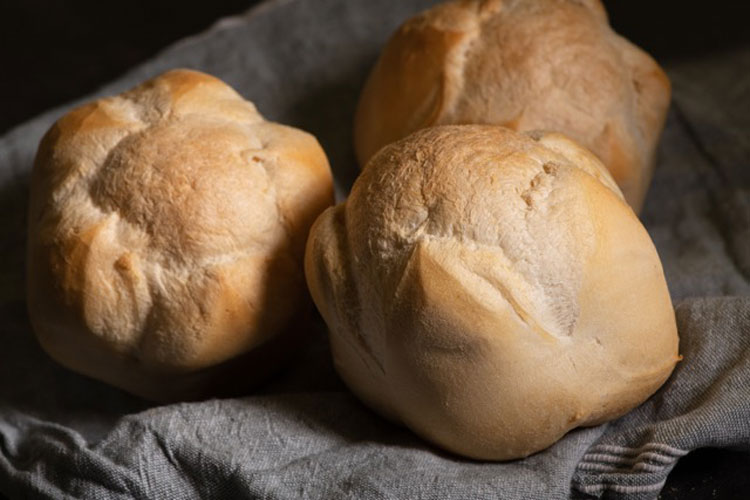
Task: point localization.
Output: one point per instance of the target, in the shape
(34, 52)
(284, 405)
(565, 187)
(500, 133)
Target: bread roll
(167, 228)
(525, 64)
(491, 290)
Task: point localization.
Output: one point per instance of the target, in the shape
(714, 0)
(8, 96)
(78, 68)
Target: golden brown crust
(166, 233)
(551, 64)
(491, 290)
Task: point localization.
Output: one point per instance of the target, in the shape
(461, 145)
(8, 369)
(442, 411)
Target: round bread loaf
(524, 64)
(167, 228)
(491, 290)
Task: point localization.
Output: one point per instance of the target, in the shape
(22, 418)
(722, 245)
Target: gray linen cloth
(304, 435)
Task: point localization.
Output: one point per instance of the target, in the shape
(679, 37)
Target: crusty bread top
(484, 187)
(167, 226)
(533, 64)
(491, 290)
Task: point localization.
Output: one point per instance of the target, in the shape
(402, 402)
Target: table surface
(57, 51)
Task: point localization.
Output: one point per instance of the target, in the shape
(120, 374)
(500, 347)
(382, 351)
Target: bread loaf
(491, 290)
(525, 64)
(166, 237)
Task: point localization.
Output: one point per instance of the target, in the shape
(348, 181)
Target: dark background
(53, 51)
